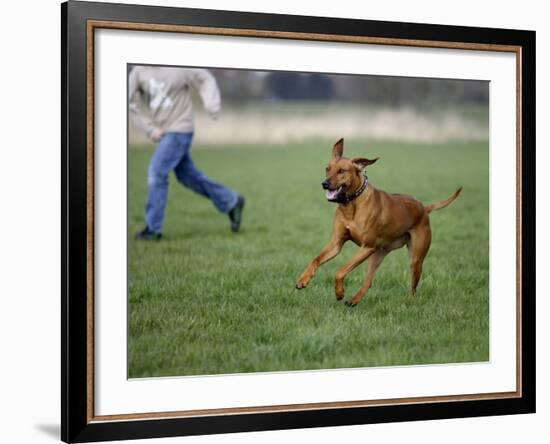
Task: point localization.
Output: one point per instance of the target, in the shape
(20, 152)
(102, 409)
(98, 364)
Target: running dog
(376, 221)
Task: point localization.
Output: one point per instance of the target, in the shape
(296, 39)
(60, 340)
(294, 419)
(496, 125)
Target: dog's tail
(443, 203)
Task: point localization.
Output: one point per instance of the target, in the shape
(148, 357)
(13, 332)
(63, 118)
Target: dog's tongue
(331, 194)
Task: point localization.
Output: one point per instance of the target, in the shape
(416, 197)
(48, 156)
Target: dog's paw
(302, 283)
(350, 304)
(339, 292)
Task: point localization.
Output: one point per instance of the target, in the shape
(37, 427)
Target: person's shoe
(236, 214)
(147, 234)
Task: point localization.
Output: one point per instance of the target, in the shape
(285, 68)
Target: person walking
(168, 120)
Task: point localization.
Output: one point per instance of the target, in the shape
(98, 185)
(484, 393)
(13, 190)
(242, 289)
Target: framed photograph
(275, 221)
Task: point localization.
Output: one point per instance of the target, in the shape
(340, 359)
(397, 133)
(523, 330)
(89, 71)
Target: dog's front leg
(362, 254)
(374, 262)
(330, 251)
(339, 236)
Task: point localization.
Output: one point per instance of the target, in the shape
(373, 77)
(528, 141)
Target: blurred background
(281, 107)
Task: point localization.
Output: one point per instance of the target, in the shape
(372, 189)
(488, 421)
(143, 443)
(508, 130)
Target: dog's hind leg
(418, 245)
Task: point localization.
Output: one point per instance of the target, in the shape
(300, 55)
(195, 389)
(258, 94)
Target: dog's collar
(358, 191)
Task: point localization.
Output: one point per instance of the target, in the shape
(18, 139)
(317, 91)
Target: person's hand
(156, 134)
(214, 115)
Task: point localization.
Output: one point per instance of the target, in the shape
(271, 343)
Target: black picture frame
(77, 425)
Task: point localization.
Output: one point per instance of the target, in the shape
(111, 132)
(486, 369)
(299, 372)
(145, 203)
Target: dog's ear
(363, 162)
(338, 149)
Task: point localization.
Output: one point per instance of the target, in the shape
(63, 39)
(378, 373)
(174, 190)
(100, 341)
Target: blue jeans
(173, 153)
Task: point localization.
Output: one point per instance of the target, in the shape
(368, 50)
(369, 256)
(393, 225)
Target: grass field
(206, 301)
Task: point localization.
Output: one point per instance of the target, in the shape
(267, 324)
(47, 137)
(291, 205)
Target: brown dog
(376, 221)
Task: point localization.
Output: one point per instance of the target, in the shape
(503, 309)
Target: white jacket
(166, 94)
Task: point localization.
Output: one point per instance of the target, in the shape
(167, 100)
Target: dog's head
(343, 175)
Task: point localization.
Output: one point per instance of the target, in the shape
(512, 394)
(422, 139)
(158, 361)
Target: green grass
(206, 301)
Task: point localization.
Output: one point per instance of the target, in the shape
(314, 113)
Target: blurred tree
(423, 93)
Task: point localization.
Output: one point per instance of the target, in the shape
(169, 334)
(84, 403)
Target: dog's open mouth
(334, 195)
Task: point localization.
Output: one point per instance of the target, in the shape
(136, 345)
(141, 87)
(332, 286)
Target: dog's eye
(341, 171)
(327, 168)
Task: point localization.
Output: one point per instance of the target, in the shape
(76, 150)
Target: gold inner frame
(92, 25)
